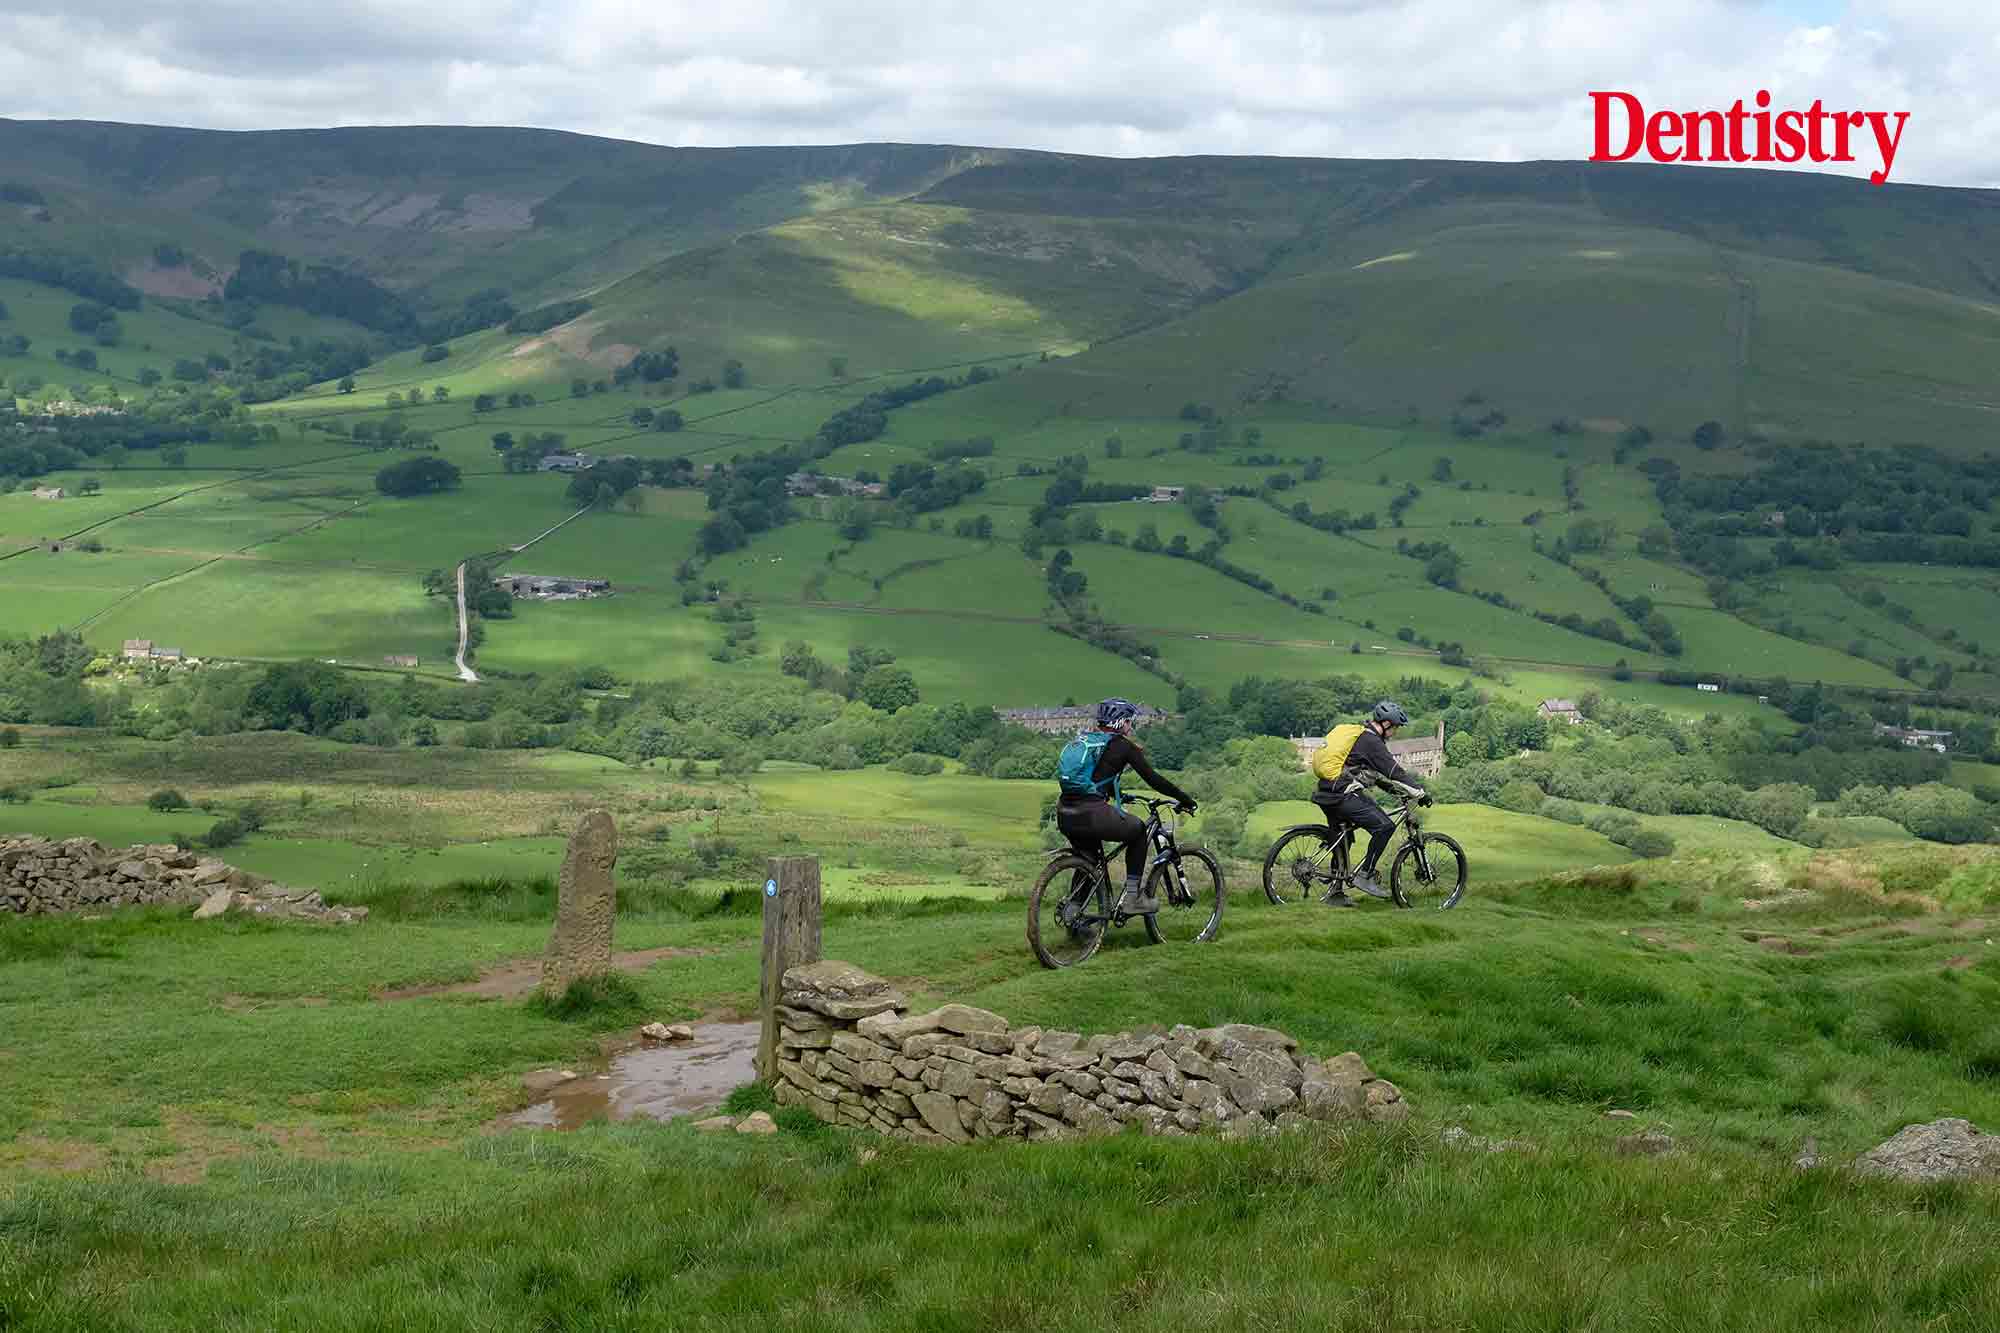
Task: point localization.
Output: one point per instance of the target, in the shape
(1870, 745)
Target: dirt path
(465, 672)
(517, 979)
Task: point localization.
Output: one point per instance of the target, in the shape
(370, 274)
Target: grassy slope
(1653, 994)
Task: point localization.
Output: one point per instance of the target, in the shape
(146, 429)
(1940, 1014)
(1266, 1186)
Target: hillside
(1449, 410)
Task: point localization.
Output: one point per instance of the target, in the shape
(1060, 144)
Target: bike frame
(1406, 821)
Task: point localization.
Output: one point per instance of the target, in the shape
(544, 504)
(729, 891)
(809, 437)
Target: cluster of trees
(1826, 504)
(264, 277)
(649, 367)
(868, 418)
(417, 476)
(72, 273)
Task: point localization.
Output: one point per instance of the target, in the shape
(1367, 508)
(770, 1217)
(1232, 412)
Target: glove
(1186, 807)
(1423, 798)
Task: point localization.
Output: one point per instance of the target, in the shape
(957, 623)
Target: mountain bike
(1309, 862)
(1077, 897)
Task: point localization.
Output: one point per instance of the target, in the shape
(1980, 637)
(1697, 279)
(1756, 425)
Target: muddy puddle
(654, 1081)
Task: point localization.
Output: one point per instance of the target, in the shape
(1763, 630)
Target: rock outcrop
(38, 875)
(1941, 1150)
(849, 1052)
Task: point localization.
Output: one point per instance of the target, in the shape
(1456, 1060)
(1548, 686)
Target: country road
(465, 672)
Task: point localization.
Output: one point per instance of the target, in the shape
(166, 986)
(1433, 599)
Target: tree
(166, 799)
(1707, 435)
(732, 374)
(484, 402)
(394, 398)
(89, 486)
(668, 420)
(305, 696)
(503, 440)
(888, 688)
(148, 377)
(579, 388)
(346, 384)
(417, 476)
(10, 738)
(440, 394)
(1441, 470)
(642, 417)
(1114, 447)
(174, 456)
(836, 366)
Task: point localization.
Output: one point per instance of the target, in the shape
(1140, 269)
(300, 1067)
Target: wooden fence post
(791, 937)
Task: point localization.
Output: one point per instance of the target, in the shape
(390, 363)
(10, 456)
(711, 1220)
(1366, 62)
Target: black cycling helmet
(1391, 712)
(1114, 711)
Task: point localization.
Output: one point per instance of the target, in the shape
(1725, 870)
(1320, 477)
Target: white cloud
(1431, 78)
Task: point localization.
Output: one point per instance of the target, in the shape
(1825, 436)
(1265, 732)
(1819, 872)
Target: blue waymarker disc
(770, 888)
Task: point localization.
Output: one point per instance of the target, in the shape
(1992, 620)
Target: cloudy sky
(1354, 78)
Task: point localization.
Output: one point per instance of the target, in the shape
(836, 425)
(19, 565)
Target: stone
(538, 1081)
(960, 1081)
(1057, 1043)
(1127, 1092)
(1621, 1115)
(1950, 1149)
(1288, 1121)
(655, 1032)
(859, 1048)
(998, 1108)
(1041, 1127)
(801, 1020)
(215, 904)
(877, 1073)
(1262, 1082)
(586, 905)
(896, 1103)
(1157, 1092)
(1049, 1099)
(838, 990)
(964, 1019)
(1645, 1143)
(1079, 1081)
(1150, 1119)
(1808, 1157)
(825, 1108)
(757, 1122)
(995, 1068)
(1188, 1119)
(805, 1041)
(1126, 1047)
(925, 1044)
(940, 1113)
(1209, 1040)
(715, 1124)
(1383, 1102)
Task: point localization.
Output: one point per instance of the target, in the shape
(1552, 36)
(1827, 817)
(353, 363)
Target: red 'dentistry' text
(1739, 135)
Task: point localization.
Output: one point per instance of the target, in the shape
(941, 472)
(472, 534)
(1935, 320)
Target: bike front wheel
(1303, 866)
(1065, 917)
(1428, 872)
(1190, 895)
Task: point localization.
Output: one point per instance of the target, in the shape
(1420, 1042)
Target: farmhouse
(49, 492)
(1068, 720)
(1560, 710)
(399, 660)
(145, 650)
(552, 588)
(1422, 755)
(1917, 737)
(804, 484)
(1166, 494)
(566, 463)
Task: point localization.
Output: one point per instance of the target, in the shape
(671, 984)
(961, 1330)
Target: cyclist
(1344, 797)
(1090, 811)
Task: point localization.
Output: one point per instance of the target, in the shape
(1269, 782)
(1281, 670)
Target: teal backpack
(1078, 763)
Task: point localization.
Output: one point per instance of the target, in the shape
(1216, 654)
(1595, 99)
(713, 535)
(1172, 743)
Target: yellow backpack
(1332, 757)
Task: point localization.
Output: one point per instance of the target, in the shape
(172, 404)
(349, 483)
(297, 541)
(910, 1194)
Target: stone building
(1422, 755)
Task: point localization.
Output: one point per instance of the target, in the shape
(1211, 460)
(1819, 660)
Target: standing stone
(586, 905)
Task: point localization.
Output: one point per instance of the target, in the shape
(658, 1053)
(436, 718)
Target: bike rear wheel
(1428, 872)
(1303, 866)
(1066, 912)
(1190, 895)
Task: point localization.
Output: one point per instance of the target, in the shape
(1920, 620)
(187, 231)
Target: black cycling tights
(1090, 824)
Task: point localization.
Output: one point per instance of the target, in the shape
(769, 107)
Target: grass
(374, 1193)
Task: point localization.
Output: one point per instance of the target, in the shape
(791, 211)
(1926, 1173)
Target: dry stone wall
(849, 1051)
(38, 875)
